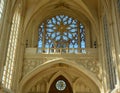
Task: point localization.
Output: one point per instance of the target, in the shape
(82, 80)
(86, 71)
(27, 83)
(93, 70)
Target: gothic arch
(60, 73)
(46, 10)
(50, 63)
(47, 7)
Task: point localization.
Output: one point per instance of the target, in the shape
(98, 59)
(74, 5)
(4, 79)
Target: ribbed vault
(37, 11)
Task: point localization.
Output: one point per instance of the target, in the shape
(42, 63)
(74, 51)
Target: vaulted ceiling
(37, 10)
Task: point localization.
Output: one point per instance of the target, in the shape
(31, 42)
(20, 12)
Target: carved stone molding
(90, 64)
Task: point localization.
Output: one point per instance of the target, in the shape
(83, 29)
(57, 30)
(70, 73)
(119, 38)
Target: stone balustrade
(61, 51)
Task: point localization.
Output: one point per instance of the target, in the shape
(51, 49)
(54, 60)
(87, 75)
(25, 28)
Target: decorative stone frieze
(30, 64)
(89, 63)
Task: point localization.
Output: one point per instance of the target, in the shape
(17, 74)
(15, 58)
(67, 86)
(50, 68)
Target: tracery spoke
(63, 30)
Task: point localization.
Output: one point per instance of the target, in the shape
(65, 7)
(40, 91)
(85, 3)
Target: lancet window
(10, 58)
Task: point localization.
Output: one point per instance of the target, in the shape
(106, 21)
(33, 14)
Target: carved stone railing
(88, 58)
(62, 50)
(65, 50)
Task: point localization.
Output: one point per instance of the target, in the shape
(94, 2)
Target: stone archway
(44, 77)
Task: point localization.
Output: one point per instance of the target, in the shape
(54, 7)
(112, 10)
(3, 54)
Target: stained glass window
(10, 58)
(61, 32)
(60, 85)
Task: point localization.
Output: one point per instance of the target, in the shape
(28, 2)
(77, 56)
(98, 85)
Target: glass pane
(62, 31)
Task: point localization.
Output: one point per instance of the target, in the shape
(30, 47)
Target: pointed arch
(80, 10)
(50, 63)
(60, 73)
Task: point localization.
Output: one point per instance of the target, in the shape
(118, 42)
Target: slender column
(87, 35)
(44, 37)
(79, 37)
(115, 31)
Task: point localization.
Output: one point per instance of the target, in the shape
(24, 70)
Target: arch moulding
(50, 63)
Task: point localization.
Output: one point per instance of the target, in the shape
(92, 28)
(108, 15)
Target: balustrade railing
(67, 50)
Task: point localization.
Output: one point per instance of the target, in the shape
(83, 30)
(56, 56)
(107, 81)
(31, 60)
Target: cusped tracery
(61, 32)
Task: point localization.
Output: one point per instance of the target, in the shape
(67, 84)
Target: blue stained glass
(61, 16)
(76, 45)
(76, 37)
(82, 44)
(65, 33)
(73, 30)
(69, 20)
(54, 21)
(63, 30)
(73, 41)
(58, 18)
(50, 25)
(40, 44)
(65, 23)
(74, 34)
(65, 38)
(47, 46)
(82, 35)
(48, 34)
(50, 30)
(70, 35)
(53, 35)
(40, 35)
(49, 41)
(70, 45)
(46, 37)
(74, 22)
(64, 19)
(72, 25)
(58, 33)
(49, 21)
(51, 45)
(81, 26)
(58, 38)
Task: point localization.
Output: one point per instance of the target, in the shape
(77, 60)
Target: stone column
(115, 28)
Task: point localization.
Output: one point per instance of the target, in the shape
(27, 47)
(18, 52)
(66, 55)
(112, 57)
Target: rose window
(60, 85)
(61, 32)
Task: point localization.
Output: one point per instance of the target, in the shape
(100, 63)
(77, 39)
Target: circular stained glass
(61, 31)
(60, 85)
